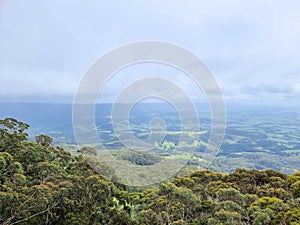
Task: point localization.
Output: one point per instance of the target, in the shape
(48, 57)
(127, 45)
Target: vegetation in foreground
(42, 184)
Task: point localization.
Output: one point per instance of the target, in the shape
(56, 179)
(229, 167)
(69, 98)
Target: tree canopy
(44, 184)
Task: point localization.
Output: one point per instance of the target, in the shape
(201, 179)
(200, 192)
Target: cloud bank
(252, 47)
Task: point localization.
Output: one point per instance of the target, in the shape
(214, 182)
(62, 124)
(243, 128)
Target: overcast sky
(252, 47)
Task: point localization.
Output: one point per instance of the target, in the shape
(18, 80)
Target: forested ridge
(43, 184)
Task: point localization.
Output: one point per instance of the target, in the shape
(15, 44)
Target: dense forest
(44, 184)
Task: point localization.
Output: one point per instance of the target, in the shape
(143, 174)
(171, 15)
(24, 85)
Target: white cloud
(45, 47)
(296, 89)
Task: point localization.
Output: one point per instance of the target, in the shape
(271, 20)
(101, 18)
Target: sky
(251, 47)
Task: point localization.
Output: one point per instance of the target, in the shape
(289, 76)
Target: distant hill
(256, 137)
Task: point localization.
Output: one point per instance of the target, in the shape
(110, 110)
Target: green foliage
(295, 189)
(294, 184)
(12, 133)
(43, 184)
(139, 158)
(293, 216)
(87, 151)
(242, 197)
(44, 140)
(225, 218)
(293, 178)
